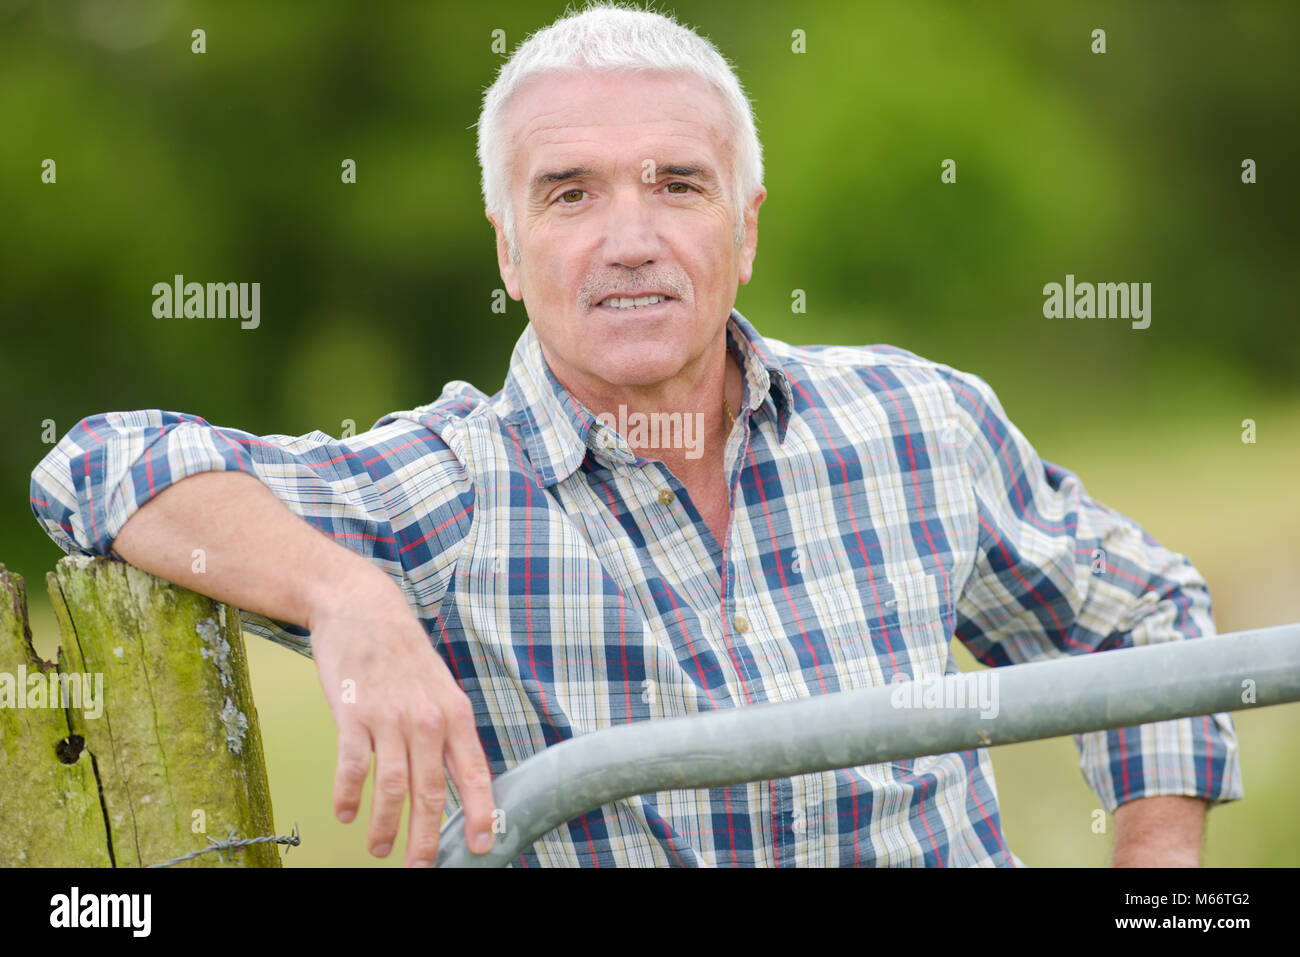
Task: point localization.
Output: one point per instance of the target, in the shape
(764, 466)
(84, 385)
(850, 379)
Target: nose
(631, 236)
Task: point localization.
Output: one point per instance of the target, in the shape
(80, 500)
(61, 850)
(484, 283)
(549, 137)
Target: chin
(634, 366)
(638, 356)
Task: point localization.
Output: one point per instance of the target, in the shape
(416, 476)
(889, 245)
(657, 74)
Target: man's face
(589, 225)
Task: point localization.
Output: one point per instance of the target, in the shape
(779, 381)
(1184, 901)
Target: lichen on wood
(177, 746)
(50, 811)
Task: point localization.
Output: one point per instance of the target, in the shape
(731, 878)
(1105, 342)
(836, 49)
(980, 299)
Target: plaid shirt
(882, 503)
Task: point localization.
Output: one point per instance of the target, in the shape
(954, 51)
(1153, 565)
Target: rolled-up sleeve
(109, 465)
(1057, 573)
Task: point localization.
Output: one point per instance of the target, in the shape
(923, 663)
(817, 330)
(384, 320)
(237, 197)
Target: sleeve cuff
(1193, 757)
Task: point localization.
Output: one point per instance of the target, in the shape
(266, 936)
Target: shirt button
(665, 496)
(741, 623)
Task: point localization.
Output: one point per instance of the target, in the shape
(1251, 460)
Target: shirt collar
(557, 431)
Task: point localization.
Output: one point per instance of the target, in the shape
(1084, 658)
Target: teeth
(633, 303)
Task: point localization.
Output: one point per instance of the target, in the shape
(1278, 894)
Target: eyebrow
(542, 180)
(702, 173)
(550, 177)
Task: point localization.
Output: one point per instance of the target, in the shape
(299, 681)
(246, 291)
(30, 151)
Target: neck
(682, 423)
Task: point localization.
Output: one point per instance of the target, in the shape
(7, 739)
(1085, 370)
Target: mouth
(635, 302)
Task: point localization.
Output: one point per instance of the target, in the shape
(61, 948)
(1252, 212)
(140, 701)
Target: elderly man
(500, 573)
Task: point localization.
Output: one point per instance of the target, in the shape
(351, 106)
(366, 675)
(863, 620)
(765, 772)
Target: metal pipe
(1044, 699)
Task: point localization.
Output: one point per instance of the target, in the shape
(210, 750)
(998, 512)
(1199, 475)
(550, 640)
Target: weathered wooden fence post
(142, 742)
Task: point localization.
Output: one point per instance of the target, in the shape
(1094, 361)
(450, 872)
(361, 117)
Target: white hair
(613, 37)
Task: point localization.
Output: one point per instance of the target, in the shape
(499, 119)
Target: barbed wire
(293, 840)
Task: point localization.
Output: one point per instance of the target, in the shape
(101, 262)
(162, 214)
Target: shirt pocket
(925, 612)
(895, 625)
(924, 604)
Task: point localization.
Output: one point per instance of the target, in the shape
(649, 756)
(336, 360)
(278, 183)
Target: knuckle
(354, 766)
(393, 784)
(382, 716)
(431, 798)
(428, 721)
(460, 709)
(477, 779)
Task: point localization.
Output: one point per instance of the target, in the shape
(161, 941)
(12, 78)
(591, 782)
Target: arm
(130, 484)
(110, 465)
(257, 555)
(1058, 573)
(1159, 832)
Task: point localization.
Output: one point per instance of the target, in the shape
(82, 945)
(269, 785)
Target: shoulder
(407, 443)
(458, 401)
(894, 391)
(880, 368)
(463, 437)
(416, 458)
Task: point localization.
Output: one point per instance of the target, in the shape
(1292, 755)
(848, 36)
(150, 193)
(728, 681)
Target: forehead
(597, 119)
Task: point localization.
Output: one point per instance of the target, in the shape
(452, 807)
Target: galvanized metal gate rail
(1088, 692)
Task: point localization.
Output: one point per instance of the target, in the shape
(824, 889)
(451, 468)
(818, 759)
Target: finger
(425, 735)
(391, 782)
(351, 770)
(469, 769)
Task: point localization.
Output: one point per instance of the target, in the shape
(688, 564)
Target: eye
(688, 187)
(568, 192)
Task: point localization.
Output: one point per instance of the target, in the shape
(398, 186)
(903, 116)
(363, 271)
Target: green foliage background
(1117, 167)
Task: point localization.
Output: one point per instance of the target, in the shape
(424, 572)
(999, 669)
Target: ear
(750, 247)
(508, 273)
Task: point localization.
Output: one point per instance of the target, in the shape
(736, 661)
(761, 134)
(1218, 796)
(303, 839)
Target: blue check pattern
(882, 504)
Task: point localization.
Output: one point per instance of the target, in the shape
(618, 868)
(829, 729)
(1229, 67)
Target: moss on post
(50, 813)
(171, 738)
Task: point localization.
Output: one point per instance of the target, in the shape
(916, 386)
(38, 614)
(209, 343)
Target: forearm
(256, 554)
(1161, 831)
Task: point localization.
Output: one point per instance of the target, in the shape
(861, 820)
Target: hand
(406, 706)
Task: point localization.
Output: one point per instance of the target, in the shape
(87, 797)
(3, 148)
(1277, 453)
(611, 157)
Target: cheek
(544, 283)
(713, 257)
